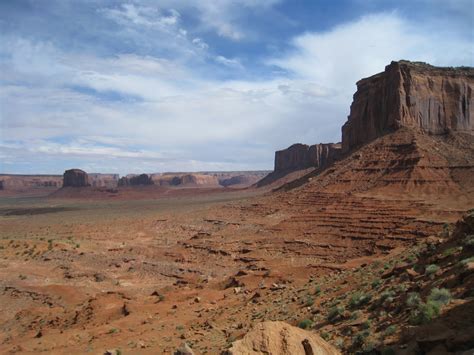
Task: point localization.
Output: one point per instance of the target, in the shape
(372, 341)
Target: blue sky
(190, 85)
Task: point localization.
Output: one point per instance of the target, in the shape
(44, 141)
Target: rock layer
(410, 94)
(75, 178)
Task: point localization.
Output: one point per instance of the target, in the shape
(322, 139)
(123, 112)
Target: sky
(138, 86)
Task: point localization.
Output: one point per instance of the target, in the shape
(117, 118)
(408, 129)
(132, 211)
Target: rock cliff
(142, 179)
(410, 94)
(75, 178)
(302, 156)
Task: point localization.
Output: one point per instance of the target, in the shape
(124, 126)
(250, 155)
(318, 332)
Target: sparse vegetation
(335, 313)
(441, 296)
(359, 299)
(424, 313)
(376, 283)
(432, 269)
(413, 299)
(391, 329)
(309, 301)
(305, 324)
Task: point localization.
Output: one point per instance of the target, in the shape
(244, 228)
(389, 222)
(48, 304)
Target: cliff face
(416, 95)
(301, 156)
(75, 178)
(103, 180)
(142, 179)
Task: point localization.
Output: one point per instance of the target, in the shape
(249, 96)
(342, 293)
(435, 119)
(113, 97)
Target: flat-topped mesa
(301, 156)
(137, 180)
(410, 94)
(75, 178)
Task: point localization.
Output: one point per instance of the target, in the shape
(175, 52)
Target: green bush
(424, 313)
(469, 241)
(359, 299)
(464, 262)
(335, 313)
(376, 283)
(386, 297)
(440, 295)
(309, 301)
(325, 335)
(413, 299)
(305, 324)
(431, 269)
(359, 339)
(391, 329)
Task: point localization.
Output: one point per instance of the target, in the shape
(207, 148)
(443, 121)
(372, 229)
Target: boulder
(410, 94)
(280, 338)
(75, 178)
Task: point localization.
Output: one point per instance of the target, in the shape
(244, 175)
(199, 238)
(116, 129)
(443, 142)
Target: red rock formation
(75, 178)
(142, 179)
(301, 156)
(103, 180)
(407, 94)
(186, 180)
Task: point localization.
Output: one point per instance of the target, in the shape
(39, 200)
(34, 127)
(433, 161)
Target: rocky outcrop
(410, 94)
(186, 180)
(137, 180)
(103, 180)
(75, 178)
(280, 338)
(301, 156)
(240, 180)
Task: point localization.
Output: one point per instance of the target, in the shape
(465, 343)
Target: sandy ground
(143, 275)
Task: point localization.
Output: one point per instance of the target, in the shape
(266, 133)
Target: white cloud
(147, 16)
(183, 119)
(340, 57)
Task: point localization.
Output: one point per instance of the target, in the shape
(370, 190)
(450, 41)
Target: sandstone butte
(75, 178)
(414, 95)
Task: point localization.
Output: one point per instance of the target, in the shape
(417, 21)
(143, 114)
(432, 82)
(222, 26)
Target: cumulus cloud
(124, 112)
(343, 55)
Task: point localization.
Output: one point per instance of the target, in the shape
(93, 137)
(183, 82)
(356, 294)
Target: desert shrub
(413, 299)
(469, 241)
(359, 339)
(339, 342)
(391, 329)
(305, 324)
(424, 313)
(355, 315)
(317, 290)
(325, 335)
(440, 295)
(376, 283)
(451, 251)
(367, 324)
(431, 269)
(464, 262)
(335, 313)
(359, 299)
(386, 297)
(309, 301)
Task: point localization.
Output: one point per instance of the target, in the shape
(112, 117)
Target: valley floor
(145, 275)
